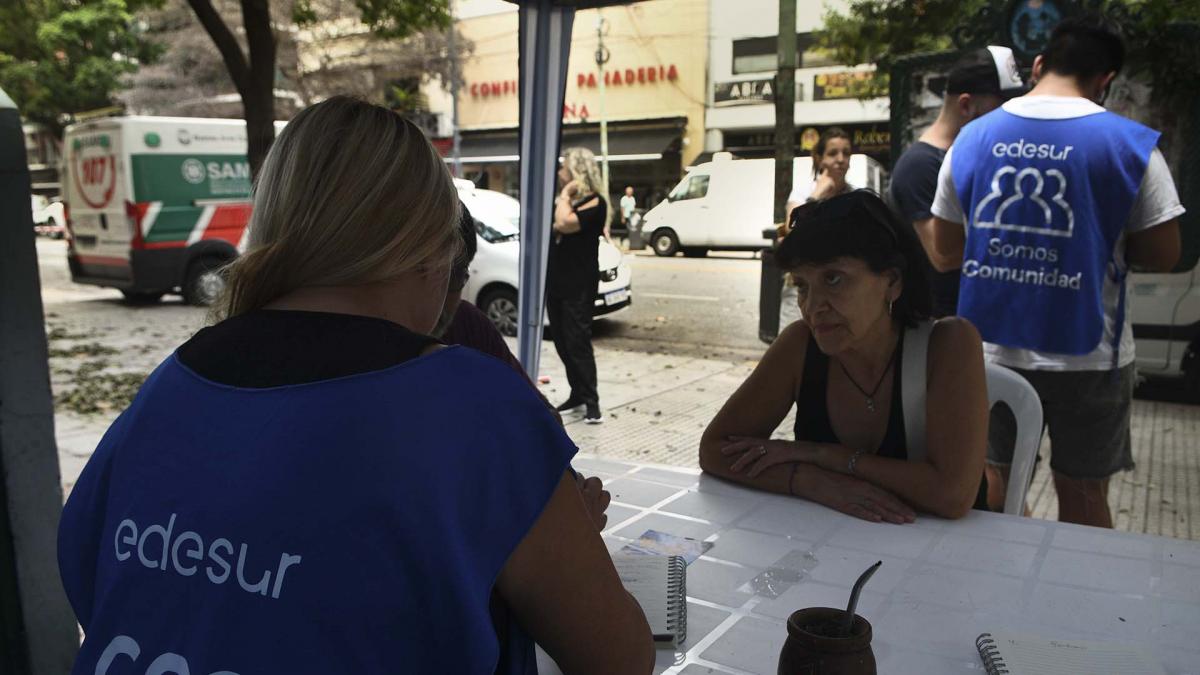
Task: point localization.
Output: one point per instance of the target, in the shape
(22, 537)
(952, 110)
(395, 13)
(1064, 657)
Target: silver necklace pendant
(870, 404)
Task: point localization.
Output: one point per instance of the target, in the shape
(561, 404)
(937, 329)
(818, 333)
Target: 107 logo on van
(95, 169)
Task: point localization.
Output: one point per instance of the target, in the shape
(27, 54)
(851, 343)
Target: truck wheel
(204, 282)
(693, 252)
(665, 243)
(141, 297)
(500, 306)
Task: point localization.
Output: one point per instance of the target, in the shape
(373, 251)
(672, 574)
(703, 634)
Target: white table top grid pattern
(942, 582)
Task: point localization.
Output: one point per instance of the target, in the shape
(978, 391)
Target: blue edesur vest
(355, 525)
(1045, 201)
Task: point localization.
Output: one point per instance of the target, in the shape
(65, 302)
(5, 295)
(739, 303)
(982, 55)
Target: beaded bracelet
(853, 461)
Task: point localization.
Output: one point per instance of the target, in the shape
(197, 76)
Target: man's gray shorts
(1087, 412)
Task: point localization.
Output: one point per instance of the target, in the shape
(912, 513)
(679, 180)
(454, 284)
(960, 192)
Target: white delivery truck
(156, 204)
(725, 204)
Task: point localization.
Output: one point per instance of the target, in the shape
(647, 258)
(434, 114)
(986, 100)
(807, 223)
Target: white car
(495, 270)
(48, 217)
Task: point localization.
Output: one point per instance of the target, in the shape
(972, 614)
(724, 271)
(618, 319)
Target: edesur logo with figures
(1031, 201)
(95, 169)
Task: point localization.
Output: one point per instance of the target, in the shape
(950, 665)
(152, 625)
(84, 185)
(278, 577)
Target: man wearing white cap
(1044, 205)
(977, 84)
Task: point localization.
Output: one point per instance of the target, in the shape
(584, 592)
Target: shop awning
(627, 142)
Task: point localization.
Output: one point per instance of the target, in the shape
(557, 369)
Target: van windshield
(692, 187)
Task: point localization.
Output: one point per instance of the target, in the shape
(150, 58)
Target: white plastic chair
(1009, 387)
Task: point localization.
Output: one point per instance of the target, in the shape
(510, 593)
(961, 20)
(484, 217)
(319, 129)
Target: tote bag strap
(912, 388)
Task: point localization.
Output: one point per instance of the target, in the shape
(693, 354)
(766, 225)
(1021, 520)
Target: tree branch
(222, 37)
(260, 37)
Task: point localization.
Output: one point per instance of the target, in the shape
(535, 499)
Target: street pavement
(665, 367)
(691, 303)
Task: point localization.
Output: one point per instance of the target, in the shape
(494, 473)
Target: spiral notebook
(659, 584)
(1005, 653)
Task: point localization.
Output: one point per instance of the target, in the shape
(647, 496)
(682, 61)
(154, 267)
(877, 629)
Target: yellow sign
(847, 84)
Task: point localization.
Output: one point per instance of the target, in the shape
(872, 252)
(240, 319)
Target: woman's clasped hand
(844, 493)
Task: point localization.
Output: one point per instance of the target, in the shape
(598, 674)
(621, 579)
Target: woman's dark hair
(466, 230)
(818, 150)
(859, 225)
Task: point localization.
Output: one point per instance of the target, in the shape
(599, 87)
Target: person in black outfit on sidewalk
(572, 276)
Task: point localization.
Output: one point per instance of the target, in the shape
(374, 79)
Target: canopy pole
(38, 633)
(545, 44)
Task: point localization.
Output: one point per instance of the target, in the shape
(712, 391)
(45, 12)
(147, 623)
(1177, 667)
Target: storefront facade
(742, 60)
(654, 93)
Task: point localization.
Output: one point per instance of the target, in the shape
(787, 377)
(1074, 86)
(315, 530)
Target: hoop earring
(891, 304)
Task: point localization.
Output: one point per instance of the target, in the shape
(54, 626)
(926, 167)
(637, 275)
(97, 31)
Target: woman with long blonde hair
(581, 216)
(314, 485)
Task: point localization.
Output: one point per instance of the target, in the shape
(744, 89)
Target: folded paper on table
(653, 542)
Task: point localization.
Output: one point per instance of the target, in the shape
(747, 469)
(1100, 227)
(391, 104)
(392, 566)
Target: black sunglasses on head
(844, 206)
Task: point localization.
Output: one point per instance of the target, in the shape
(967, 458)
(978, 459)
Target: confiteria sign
(613, 77)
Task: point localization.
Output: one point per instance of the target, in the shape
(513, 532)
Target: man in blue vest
(1044, 204)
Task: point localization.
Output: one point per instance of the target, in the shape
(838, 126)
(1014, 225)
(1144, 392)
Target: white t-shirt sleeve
(945, 201)
(1157, 199)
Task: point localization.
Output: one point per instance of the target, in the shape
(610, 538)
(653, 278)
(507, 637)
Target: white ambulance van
(156, 205)
(725, 204)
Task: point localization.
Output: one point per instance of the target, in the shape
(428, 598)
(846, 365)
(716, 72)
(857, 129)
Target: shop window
(695, 187)
(760, 55)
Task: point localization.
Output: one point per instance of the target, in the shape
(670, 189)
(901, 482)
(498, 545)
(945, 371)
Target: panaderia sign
(612, 77)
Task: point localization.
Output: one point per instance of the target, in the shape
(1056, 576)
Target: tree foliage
(253, 65)
(386, 18)
(189, 79)
(879, 31)
(336, 49)
(64, 56)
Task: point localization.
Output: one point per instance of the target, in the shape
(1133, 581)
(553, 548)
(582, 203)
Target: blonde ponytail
(350, 193)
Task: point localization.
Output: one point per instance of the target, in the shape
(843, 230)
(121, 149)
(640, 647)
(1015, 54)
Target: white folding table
(942, 582)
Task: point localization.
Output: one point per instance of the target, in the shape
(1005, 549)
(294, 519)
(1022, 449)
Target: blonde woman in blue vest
(866, 303)
(315, 485)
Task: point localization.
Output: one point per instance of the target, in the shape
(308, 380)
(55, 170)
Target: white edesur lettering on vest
(168, 662)
(212, 553)
(1020, 148)
(195, 551)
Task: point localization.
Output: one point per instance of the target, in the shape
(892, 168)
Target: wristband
(853, 461)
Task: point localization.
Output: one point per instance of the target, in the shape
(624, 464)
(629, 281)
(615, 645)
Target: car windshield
(497, 216)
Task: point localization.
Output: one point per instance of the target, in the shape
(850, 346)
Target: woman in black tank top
(861, 286)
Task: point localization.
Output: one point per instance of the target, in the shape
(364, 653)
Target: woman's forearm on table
(921, 484)
(794, 479)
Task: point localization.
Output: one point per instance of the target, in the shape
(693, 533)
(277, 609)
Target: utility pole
(770, 283)
(785, 107)
(602, 56)
(456, 143)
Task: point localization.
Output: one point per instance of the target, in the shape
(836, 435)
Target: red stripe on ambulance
(228, 222)
(107, 261)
